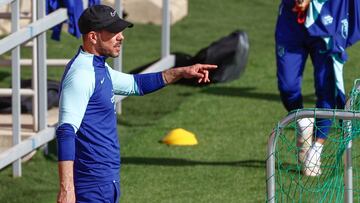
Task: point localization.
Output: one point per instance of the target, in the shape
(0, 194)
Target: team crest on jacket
(327, 20)
(280, 50)
(344, 28)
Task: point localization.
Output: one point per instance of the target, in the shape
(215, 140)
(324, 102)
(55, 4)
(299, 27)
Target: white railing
(36, 30)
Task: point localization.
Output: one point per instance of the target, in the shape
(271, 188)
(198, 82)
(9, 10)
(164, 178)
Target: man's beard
(109, 53)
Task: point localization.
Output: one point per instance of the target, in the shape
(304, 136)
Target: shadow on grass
(249, 92)
(291, 168)
(187, 162)
(147, 110)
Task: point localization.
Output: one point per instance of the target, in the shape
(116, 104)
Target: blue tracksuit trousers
(293, 46)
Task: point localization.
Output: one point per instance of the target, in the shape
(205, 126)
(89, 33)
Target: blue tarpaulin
(74, 10)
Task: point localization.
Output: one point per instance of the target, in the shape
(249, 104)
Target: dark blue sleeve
(65, 136)
(149, 82)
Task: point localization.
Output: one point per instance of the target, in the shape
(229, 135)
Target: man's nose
(120, 36)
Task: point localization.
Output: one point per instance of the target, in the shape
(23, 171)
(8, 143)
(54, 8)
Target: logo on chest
(113, 100)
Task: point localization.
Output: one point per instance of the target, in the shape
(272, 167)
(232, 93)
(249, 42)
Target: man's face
(108, 44)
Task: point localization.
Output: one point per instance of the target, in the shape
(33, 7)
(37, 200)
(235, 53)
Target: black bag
(230, 53)
(26, 101)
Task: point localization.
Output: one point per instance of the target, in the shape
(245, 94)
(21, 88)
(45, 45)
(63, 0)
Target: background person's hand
(301, 5)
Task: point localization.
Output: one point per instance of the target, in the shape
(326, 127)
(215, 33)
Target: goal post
(339, 180)
(285, 182)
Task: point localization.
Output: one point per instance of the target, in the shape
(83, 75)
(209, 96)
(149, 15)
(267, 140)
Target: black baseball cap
(101, 17)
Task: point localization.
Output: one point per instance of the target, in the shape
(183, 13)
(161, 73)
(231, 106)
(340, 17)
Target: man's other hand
(66, 196)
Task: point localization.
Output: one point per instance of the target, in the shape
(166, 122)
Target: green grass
(232, 121)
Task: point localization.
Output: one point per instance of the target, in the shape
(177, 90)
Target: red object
(301, 17)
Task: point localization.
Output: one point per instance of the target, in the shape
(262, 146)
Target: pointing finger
(208, 66)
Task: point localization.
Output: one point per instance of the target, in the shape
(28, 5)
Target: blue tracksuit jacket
(87, 131)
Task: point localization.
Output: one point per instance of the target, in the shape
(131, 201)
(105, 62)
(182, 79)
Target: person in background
(88, 147)
(322, 30)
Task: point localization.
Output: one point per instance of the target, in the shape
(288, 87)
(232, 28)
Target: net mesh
(327, 184)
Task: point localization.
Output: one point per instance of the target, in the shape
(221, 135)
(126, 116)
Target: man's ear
(92, 37)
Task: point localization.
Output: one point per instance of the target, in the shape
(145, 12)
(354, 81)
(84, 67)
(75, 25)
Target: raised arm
(141, 84)
(199, 71)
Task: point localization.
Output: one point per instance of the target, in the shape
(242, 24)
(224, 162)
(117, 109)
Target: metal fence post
(35, 110)
(16, 105)
(165, 28)
(42, 70)
(118, 60)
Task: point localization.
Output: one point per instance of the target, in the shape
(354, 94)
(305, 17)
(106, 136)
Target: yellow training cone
(180, 136)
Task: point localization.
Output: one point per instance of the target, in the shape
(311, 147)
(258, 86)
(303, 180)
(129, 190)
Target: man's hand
(66, 175)
(199, 71)
(66, 196)
(301, 5)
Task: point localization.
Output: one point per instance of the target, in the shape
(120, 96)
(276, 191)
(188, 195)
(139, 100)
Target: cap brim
(118, 26)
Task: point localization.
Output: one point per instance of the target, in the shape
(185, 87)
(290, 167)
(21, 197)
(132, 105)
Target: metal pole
(270, 168)
(348, 173)
(118, 60)
(16, 105)
(165, 30)
(35, 73)
(42, 71)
